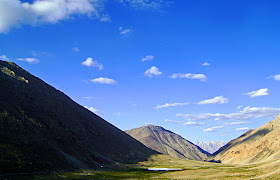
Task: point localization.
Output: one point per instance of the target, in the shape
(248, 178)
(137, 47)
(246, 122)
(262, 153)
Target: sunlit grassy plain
(191, 170)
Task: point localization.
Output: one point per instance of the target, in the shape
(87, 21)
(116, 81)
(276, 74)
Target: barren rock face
(258, 145)
(212, 146)
(167, 142)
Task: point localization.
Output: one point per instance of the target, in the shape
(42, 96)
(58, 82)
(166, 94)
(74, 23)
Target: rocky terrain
(167, 142)
(211, 146)
(259, 145)
(42, 129)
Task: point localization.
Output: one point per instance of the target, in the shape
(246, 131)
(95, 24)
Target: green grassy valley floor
(191, 170)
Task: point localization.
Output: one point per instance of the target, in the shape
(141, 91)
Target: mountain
(210, 147)
(259, 145)
(42, 129)
(167, 142)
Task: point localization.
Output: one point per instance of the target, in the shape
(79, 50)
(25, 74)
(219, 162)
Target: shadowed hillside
(167, 142)
(260, 145)
(42, 129)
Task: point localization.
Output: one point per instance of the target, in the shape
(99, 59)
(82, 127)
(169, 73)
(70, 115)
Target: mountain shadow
(42, 129)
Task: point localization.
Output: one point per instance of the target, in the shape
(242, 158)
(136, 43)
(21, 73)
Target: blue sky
(206, 70)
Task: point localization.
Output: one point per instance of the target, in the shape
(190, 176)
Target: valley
(191, 170)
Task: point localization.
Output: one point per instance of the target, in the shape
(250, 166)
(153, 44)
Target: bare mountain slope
(259, 145)
(167, 142)
(42, 129)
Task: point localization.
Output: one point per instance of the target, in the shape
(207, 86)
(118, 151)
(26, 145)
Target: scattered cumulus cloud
(147, 58)
(245, 114)
(275, 77)
(29, 60)
(145, 4)
(260, 92)
(166, 105)
(236, 123)
(216, 100)
(103, 80)
(239, 107)
(242, 129)
(191, 123)
(200, 77)
(76, 49)
(14, 13)
(92, 109)
(4, 57)
(213, 129)
(205, 64)
(124, 31)
(168, 120)
(153, 71)
(105, 18)
(89, 62)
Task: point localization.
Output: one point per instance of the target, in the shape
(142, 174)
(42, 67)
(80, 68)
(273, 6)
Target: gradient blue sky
(238, 39)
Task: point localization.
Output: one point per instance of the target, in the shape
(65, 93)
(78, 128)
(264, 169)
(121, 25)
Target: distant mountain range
(259, 145)
(212, 146)
(167, 142)
(42, 129)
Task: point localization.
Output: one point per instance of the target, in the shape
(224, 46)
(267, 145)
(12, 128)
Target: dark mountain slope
(42, 129)
(167, 142)
(259, 145)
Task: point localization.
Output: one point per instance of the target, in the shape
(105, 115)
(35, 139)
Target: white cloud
(105, 18)
(76, 49)
(171, 105)
(205, 64)
(216, 100)
(275, 77)
(153, 71)
(168, 120)
(260, 92)
(103, 80)
(93, 110)
(213, 129)
(201, 77)
(29, 60)
(124, 31)
(89, 62)
(242, 129)
(235, 123)
(239, 107)
(245, 114)
(145, 4)
(191, 123)
(14, 13)
(4, 58)
(147, 58)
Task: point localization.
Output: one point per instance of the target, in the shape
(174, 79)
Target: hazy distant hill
(212, 146)
(262, 144)
(42, 129)
(167, 142)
